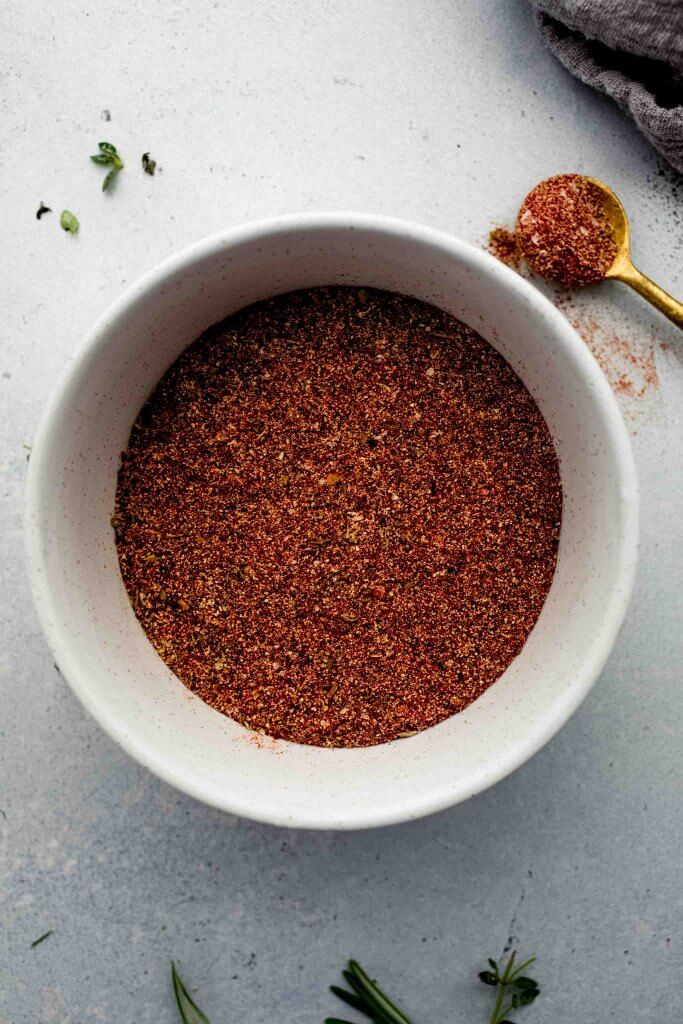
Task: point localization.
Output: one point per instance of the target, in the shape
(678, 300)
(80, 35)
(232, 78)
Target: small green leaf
(109, 178)
(108, 157)
(69, 222)
(527, 996)
(149, 166)
(525, 983)
(189, 1011)
(493, 964)
(488, 978)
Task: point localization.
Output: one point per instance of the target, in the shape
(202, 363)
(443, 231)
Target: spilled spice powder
(563, 232)
(502, 244)
(338, 515)
(629, 364)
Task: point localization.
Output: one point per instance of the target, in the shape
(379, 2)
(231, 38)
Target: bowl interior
(102, 649)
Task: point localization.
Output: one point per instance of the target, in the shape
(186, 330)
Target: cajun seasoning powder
(563, 232)
(338, 515)
(504, 246)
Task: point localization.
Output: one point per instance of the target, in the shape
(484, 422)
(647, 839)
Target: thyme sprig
(108, 157)
(514, 988)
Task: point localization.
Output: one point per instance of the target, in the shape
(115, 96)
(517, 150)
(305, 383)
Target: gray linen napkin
(630, 49)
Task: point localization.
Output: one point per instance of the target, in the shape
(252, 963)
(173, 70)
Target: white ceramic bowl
(101, 648)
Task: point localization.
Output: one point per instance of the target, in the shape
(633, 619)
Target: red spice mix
(503, 245)
(563, 232)
(338, 516)
(629, 364)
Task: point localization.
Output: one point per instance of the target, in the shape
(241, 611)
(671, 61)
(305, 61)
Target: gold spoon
(622, 268)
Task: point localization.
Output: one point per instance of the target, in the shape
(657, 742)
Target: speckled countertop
(443, 112)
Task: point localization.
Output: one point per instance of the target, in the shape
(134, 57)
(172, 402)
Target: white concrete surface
(444, 111)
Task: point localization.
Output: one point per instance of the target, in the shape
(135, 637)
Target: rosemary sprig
(189, 1011)
(514, 988)
(366, 997)
(108, 157)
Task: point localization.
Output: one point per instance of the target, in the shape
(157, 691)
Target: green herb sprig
(514, 988)
(366, 997)
(108, 157)
(189, 1011)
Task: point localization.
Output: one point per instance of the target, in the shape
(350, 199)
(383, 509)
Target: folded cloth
(630, 49)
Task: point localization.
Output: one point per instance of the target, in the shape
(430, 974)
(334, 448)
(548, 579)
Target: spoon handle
(664, 302)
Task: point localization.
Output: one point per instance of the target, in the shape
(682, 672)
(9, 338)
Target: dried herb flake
(69, 222)
(149, 166)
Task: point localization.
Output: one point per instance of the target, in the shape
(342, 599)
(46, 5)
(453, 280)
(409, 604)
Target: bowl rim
(562, 332)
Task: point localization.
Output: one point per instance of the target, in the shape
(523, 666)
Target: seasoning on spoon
(563, 231)
(573, 229)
